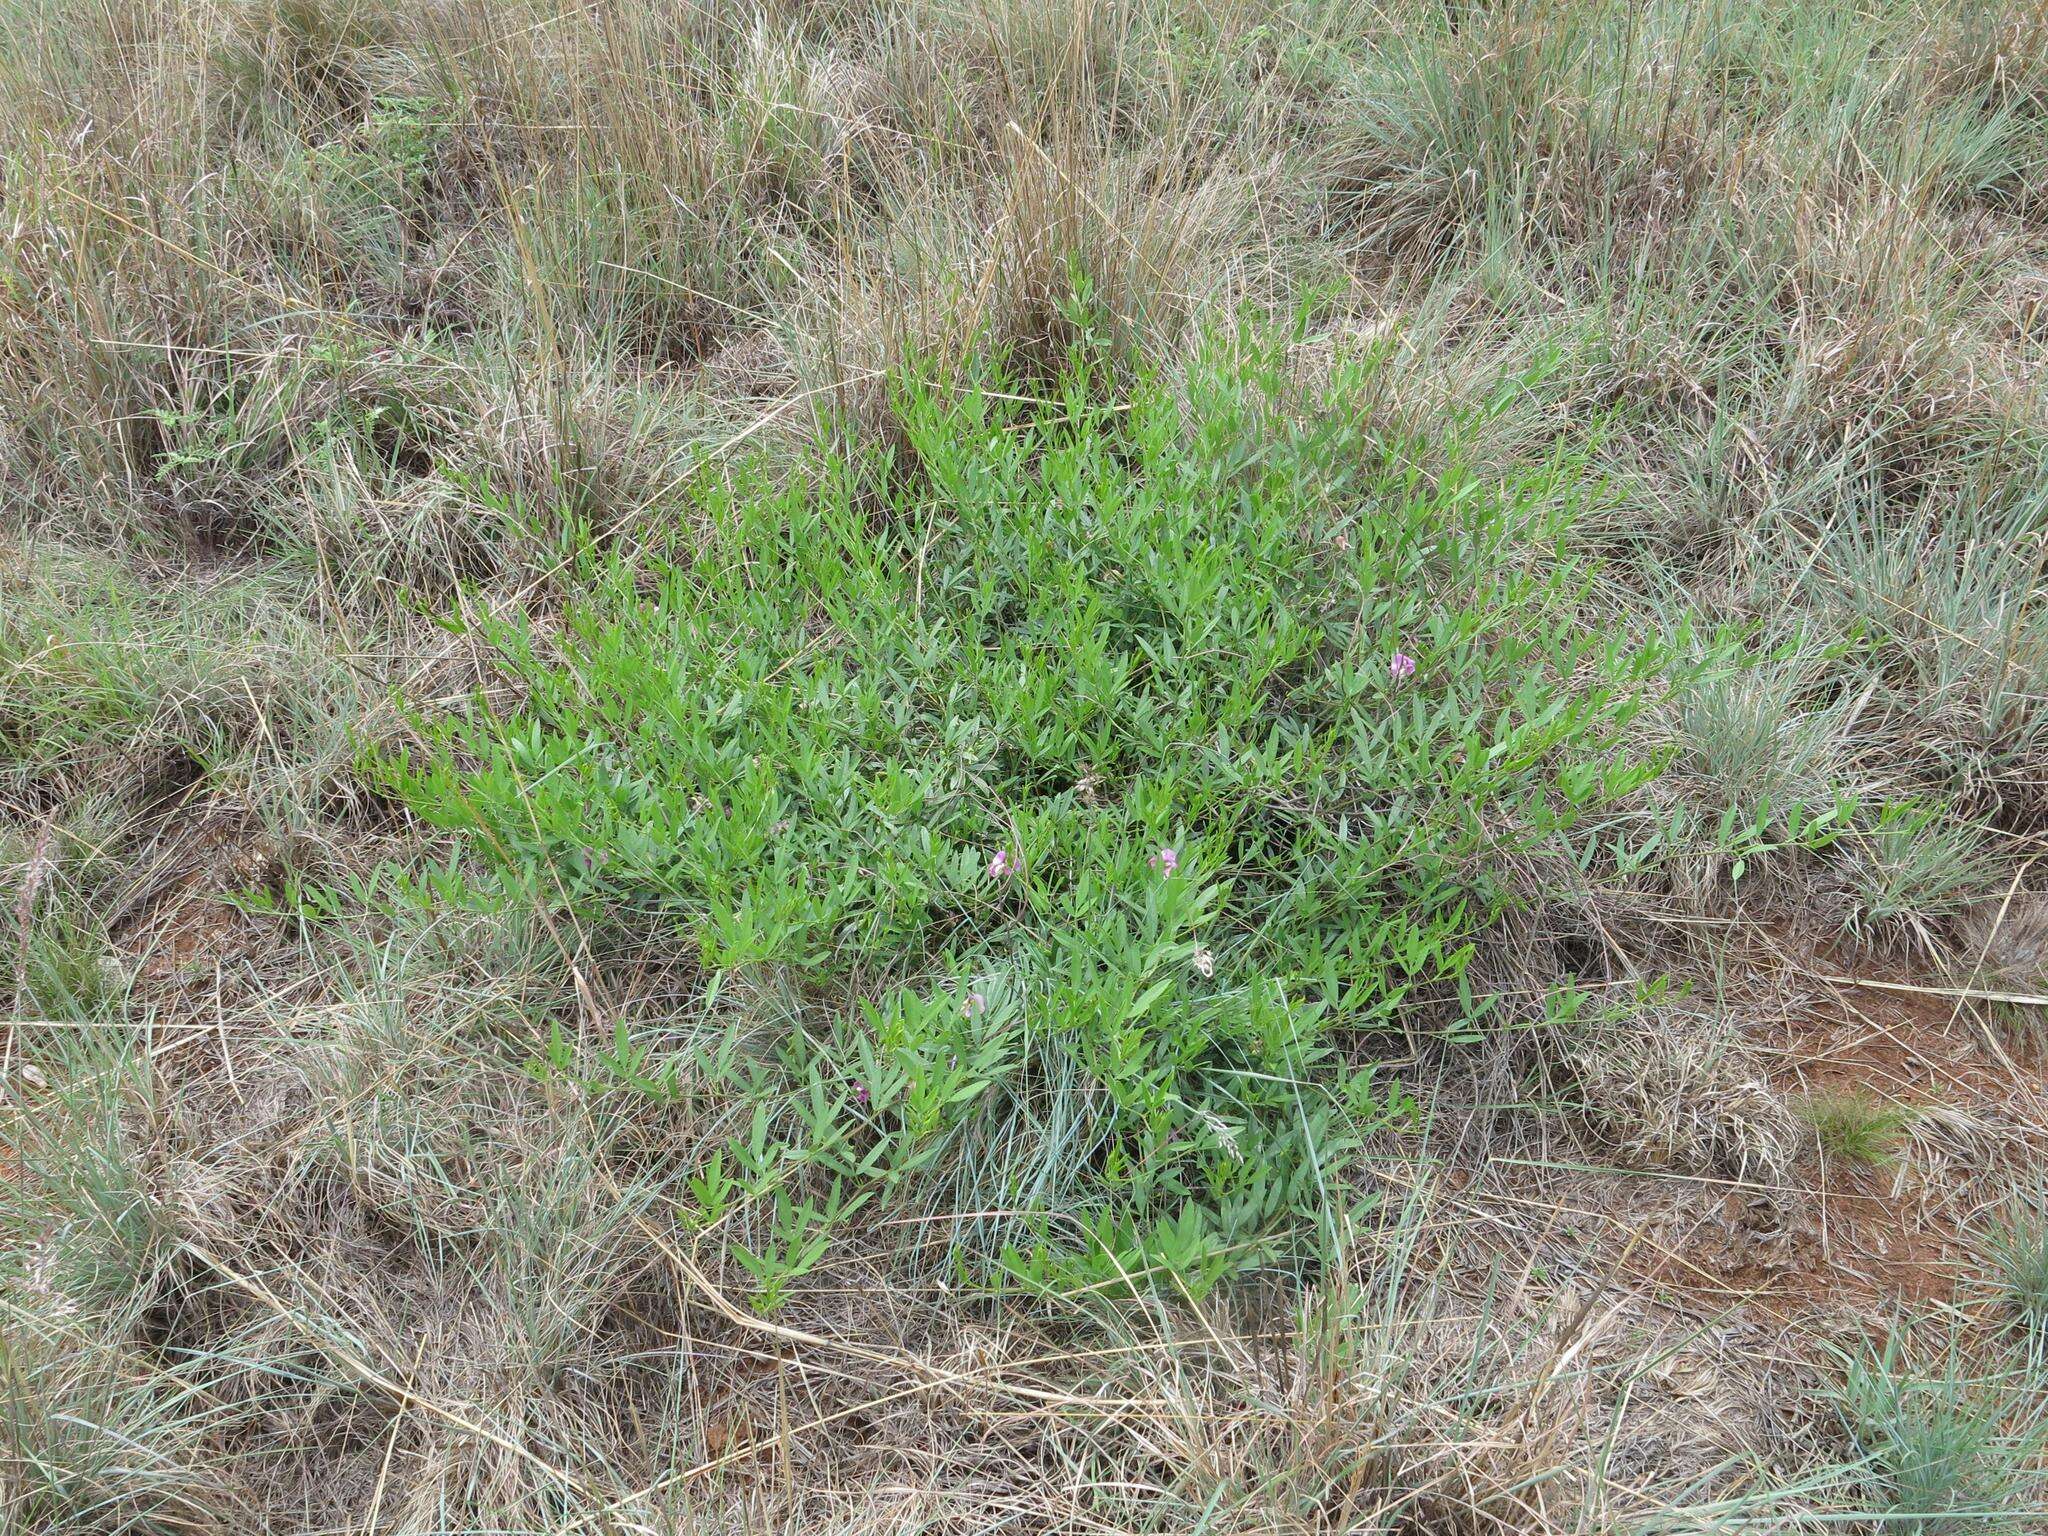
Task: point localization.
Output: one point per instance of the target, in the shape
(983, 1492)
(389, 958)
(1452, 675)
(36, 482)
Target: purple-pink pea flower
(974, 1004)
(1000, 865)
(1165, 860)
(1402, 667)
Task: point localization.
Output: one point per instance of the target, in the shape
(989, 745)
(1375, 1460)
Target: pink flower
(1402, 667)
(1000, 865)
(860, 1094)
(975, 1003)
(1165, 860)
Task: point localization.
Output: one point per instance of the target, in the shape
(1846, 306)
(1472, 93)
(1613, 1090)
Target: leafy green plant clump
(1089, 779)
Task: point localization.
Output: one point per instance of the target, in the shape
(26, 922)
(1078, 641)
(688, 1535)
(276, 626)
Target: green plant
(1915, 867)
(1947, 1450)
(1096, 778)
(2018, 1250)
(1855, 1128)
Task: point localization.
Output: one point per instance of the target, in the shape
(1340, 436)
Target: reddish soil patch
(1790, 1249)
(1838, 1234)
(1916, 1049)
(1829, 1236)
